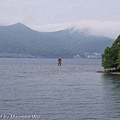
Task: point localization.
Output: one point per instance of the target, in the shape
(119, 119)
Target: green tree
(118, 60)
(111, 56)
(106, 58)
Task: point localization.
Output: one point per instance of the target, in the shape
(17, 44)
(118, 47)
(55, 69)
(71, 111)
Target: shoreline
(107, 72)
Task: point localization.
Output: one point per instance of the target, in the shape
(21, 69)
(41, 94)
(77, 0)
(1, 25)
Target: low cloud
(104, 28)
(96, 27)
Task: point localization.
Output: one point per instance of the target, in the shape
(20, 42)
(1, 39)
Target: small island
(111, 58)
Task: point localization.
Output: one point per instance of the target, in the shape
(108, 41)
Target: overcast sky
(101, 17)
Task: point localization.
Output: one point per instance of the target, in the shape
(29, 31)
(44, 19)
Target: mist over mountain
(21, 39)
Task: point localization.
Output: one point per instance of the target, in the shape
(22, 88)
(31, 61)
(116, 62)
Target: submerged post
(59, 61)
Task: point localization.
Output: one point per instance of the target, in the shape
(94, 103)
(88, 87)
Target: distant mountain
(21, 39)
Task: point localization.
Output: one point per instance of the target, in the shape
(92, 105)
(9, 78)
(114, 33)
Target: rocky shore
(108, 72)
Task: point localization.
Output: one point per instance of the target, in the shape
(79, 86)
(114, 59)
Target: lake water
(39, 89)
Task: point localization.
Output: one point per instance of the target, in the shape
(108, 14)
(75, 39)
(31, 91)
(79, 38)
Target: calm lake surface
(73, 91)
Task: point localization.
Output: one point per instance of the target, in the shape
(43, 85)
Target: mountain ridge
(18, 38)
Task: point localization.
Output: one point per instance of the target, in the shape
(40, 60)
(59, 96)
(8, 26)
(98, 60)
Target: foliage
(111, 56)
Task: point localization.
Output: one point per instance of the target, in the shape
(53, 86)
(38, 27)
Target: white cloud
(105, 28)
(95, 27)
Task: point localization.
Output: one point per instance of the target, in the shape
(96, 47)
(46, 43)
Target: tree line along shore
(111, 58)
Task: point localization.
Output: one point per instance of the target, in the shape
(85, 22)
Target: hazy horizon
(99, 17)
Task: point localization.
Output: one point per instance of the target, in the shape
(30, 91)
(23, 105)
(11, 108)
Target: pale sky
(100, 17)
